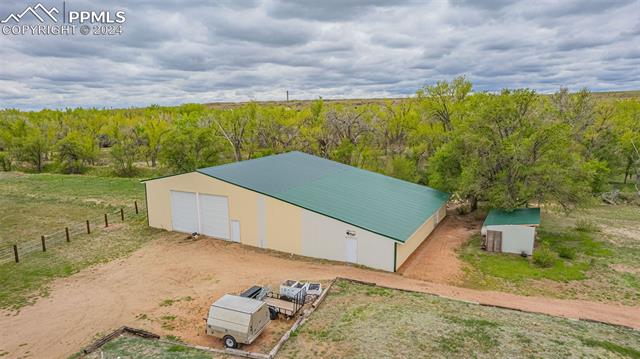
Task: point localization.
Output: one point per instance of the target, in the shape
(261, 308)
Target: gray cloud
(174, 51)
(327, 10)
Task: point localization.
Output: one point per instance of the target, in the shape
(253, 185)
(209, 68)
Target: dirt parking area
(167, 286)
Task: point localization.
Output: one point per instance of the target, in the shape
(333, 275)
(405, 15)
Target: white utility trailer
(237, 319)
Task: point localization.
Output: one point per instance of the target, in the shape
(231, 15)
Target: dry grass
(127, 346)
(613, 95)
(360, 321)
(33, 205)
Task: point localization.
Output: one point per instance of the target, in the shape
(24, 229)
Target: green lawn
(33, 205)
(593, 255)
(360, 321)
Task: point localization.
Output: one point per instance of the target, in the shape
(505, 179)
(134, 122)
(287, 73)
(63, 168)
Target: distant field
(613, 95)
(360, 321)
(595, 253)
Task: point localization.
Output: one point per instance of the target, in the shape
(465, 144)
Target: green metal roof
(384, 205)
(517, 216)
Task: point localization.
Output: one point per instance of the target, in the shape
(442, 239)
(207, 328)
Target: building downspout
(395, 255)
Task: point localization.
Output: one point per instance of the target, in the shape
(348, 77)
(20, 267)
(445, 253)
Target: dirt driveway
(135, 291)
(436, 260)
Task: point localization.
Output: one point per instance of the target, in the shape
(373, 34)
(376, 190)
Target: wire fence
(15, 252)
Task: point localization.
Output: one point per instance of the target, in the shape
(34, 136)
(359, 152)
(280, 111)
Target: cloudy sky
(176, 51)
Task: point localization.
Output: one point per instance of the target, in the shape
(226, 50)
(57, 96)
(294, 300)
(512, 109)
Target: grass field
(360, 321)
(611, 95)
(33, 205)
(593, 254)
(126, 347)
(37, 204)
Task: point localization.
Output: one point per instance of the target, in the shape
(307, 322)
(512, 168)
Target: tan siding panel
(283, 222)
(242, 202)
(405, 249)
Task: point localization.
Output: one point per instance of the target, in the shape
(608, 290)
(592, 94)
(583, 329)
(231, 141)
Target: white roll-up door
(184, 212)
(214, 216)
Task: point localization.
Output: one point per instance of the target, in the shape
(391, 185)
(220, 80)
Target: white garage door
(214, 216)
(184, 212)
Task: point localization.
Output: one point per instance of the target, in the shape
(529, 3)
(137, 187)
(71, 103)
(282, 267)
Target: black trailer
(288, 307)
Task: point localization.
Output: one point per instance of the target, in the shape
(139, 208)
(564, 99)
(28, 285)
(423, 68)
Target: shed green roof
(384, 205)
(517, 216)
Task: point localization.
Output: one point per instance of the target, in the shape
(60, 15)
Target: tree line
(509, 148)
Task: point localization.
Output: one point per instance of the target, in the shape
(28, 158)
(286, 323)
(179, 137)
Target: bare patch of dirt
(436, 259)
(96, 201)
(617, 232)
(134, 291)
(113, 227)
(623, 268)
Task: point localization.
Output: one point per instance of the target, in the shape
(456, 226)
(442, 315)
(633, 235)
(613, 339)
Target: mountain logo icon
(39, 11)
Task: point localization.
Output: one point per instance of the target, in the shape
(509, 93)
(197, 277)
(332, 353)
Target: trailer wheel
(273, 314)
(230, 342)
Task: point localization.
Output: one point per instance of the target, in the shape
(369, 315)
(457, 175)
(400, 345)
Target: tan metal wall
(277, 224)
(404, 250)
(281, 227)
(442, 212)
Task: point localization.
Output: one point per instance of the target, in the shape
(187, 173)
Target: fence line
(16, 252)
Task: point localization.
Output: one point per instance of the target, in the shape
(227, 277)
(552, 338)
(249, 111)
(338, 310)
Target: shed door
(184, 212)
(494, 241)
(352, 249)
(214, 216)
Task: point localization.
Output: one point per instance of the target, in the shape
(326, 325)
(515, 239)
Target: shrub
(584, 225)
(544, 256)
(462, 209)
(567, 252)
(5, 161)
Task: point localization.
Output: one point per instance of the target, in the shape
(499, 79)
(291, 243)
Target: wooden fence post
(122, 214)
(88, 228)
(15, 253)
(44, 244)
(106, 221)
(66, 231)
(135, 203)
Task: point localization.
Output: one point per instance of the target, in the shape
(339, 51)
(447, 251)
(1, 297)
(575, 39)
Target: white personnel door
(235, 231)
(214, 215)
(184, 212)
(352, 249)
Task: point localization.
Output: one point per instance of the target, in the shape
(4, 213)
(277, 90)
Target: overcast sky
(176, 51)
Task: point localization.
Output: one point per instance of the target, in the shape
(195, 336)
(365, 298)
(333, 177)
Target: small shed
(510, 231)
